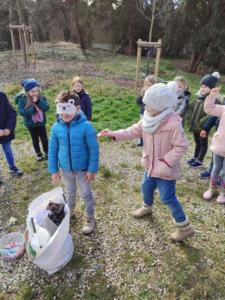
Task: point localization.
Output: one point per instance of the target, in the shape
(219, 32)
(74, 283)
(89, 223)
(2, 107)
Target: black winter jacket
(7, 118)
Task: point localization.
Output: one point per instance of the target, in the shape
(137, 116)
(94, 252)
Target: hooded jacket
(73, 146)
(163, 149)
(27, 112)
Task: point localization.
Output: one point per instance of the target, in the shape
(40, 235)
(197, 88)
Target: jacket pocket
(162, 169)
(145, 160)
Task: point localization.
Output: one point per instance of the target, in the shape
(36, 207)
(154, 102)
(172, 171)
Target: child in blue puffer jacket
(74, 154)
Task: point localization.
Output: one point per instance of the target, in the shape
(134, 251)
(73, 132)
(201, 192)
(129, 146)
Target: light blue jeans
(218, 165)
(167, 190)
(71, 180)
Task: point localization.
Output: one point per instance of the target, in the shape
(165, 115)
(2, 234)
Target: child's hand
(1, 132)
(56, 178)
(203, 134)
(215, 91)
(90, 176)
(37, 108)
(35, 99)
(106, 132)
(6, 132)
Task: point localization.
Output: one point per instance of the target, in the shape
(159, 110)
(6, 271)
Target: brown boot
(143, 211)
(182, 233)
(89, 225)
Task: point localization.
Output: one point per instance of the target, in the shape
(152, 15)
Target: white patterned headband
(67, 107)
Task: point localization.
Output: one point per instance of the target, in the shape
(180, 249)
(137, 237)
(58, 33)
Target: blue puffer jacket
(27, 112)
(73, 146)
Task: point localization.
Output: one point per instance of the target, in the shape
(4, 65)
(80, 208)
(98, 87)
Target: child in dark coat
(199, 118)
(86, 105)
(7, 128)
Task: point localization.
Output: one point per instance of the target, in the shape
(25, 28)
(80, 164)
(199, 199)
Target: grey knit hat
(159, 97)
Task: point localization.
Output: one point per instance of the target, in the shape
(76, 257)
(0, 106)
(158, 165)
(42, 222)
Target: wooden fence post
(13, 42)
(158, 53)
(138, 66)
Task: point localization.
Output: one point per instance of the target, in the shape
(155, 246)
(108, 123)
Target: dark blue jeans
(167, 190)
(8, 154)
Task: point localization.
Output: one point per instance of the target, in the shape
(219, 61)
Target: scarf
(151, 124)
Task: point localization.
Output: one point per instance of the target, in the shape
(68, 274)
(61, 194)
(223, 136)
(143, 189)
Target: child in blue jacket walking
(74, 154)
(33, 106)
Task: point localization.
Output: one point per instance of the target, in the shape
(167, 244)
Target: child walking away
(74, 150)
(183, 96)
(199, 119)
(33, 106)
(86, 106)
(149, 81)
(164, 145)
(217, 147)
(7, 127)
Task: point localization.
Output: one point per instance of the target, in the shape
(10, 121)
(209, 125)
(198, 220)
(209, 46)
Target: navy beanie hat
(210, 80)
(28, 84)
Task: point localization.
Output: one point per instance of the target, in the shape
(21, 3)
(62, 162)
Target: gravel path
(124, 258)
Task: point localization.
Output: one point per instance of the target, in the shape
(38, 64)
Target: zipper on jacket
(152, 153)
(68, 134)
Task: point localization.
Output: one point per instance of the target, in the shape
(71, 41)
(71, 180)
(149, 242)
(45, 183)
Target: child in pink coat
(164, 145)
(217, 147)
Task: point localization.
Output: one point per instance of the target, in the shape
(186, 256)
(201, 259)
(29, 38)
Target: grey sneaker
(89, 226)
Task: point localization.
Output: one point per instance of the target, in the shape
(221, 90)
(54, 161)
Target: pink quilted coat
(218, 110)
(163, 149)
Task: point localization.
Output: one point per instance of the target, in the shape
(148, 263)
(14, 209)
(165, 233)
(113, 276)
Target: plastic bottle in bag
(40, 236)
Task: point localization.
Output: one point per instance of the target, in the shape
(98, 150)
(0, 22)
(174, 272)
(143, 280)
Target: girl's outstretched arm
(133, 132)
(210, 107)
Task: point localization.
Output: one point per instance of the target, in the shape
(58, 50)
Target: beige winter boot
(89, 225)
(143, 211)
(182, 233)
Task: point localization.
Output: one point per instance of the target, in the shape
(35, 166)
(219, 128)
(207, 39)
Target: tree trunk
(197, 58)
(130, 39)
(13, 19)
(78, 27)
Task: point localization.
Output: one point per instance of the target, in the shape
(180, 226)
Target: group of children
(73, 149)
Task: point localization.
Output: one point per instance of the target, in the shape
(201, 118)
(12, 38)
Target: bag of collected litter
(50, 249)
